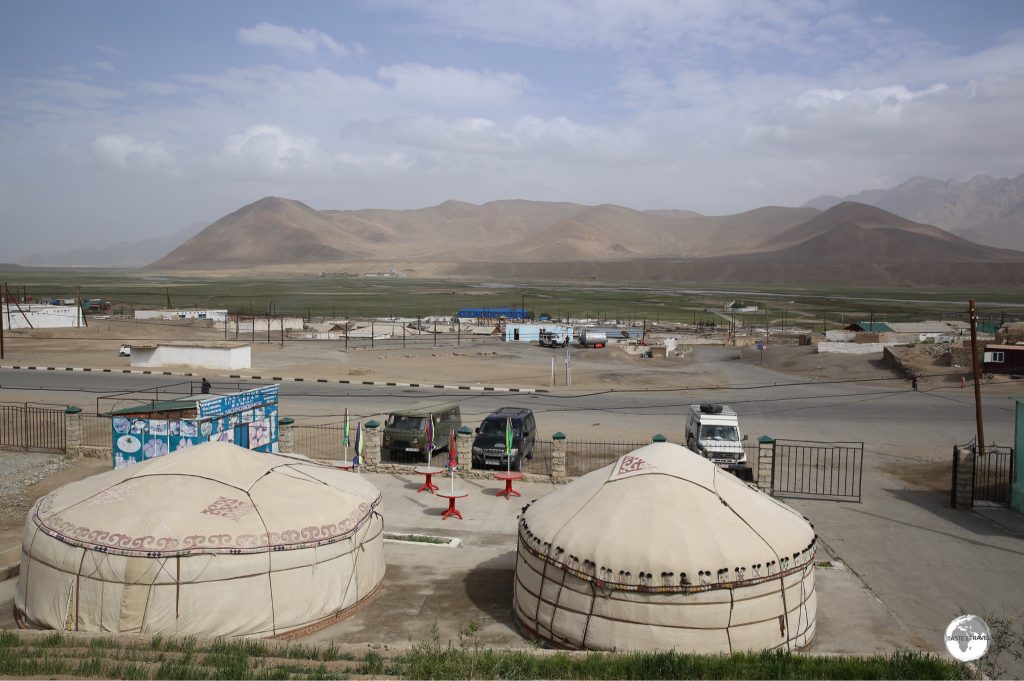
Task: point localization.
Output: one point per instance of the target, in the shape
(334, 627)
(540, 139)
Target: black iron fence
(32, 429)
(322, 440)
(583, 457)
(993, 475)
(817, 470)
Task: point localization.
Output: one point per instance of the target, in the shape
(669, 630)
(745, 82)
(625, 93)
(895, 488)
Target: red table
(508, 492)
(347, 466)
(451, 497)
(429, 472)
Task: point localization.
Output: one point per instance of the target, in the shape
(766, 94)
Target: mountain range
(843, 244)
(984, 209)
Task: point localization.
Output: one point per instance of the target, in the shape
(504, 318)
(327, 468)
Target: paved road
(890, 418)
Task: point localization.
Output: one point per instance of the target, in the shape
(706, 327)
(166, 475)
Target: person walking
(205, 386)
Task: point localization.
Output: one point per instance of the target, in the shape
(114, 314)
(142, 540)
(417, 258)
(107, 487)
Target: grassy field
(55, 655)
(344, 297)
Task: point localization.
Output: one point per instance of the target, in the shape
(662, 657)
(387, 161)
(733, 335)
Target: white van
(713, 431)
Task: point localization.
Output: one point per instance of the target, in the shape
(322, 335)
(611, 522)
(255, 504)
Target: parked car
(125, 351)
(405, 431)
(489, 444)
(713, 431)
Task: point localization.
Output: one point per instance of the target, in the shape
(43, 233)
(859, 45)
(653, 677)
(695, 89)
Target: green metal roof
(166, 405)
(875, 327)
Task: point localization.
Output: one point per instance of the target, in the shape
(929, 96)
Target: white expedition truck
(713, 431)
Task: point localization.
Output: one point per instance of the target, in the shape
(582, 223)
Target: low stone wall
(850, 348)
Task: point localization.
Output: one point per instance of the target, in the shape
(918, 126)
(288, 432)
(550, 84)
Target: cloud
(451, 87)
(103, 66)
(125, 152)
(269, 150)
(529, 137)
(111, 51)
(308, 40)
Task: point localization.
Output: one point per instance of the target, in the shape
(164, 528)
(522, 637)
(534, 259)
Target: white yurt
(215, 540)
(664, 550)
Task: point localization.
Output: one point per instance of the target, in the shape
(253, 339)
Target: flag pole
(344, 437)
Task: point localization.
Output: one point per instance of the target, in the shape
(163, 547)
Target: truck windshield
(417, 423)
(721, 433)
(496, 428)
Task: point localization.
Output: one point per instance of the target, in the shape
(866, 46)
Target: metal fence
(993, 475)
(96, 430)
(583, 457)
(320, 440)
(32, 429)
(817, 470)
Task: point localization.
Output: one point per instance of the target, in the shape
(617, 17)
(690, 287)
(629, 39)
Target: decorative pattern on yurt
(213, 541)
(664, 550)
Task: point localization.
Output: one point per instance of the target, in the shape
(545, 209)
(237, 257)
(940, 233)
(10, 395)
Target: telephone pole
(973, 311)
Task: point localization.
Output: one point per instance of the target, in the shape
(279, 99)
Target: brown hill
(850, 243)
(275, 231)
(855, 232)
(270, 230)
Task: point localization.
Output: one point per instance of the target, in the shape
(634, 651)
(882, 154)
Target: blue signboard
(232, 404)
(247, 419)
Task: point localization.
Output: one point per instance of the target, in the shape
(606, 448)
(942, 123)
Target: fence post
(285, 435)
(765, 464)
(73, 431)
(371, 443)
(464, 446)
(964, 492)
(558, 456)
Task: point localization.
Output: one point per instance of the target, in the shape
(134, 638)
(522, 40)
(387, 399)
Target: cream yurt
(215, 540)
(664, 550)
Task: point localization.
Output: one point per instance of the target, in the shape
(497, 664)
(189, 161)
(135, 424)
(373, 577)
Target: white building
(215, 315)
(41, 316)
(224, 356)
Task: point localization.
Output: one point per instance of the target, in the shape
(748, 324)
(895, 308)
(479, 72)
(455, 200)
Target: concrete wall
(259, 325)
(851, 348)
(41, 316)
(197, 357)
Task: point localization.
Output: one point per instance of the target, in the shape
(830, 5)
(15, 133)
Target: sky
(122, 120)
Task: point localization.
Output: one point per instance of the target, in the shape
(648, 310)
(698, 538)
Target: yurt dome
(664, 550)
(215, 540)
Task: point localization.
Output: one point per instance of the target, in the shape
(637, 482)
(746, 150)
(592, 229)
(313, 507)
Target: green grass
(357, 296)
(419, 538)
(428, 662)
(161, 658)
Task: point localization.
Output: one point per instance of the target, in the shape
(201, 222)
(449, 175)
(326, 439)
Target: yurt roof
(664, 518)
(211, 498)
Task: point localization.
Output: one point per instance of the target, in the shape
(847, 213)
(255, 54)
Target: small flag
(508, 436)
(345, 431)
(453, 455)
(359, 445)
(430, 433)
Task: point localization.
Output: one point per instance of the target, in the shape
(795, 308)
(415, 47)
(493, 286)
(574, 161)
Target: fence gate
(993, 475)
(817, 470)
(32, 429)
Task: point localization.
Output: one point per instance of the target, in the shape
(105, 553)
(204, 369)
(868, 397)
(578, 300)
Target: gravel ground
(20, 470)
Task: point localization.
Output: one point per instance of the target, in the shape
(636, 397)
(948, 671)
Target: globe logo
(967, 638)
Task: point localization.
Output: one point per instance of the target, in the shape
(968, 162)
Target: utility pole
(2, 336)
(435, 333)
(168, 290)
(371, 333)
(458, 326)
(403, 335)
(282, 330)
(973, 311)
